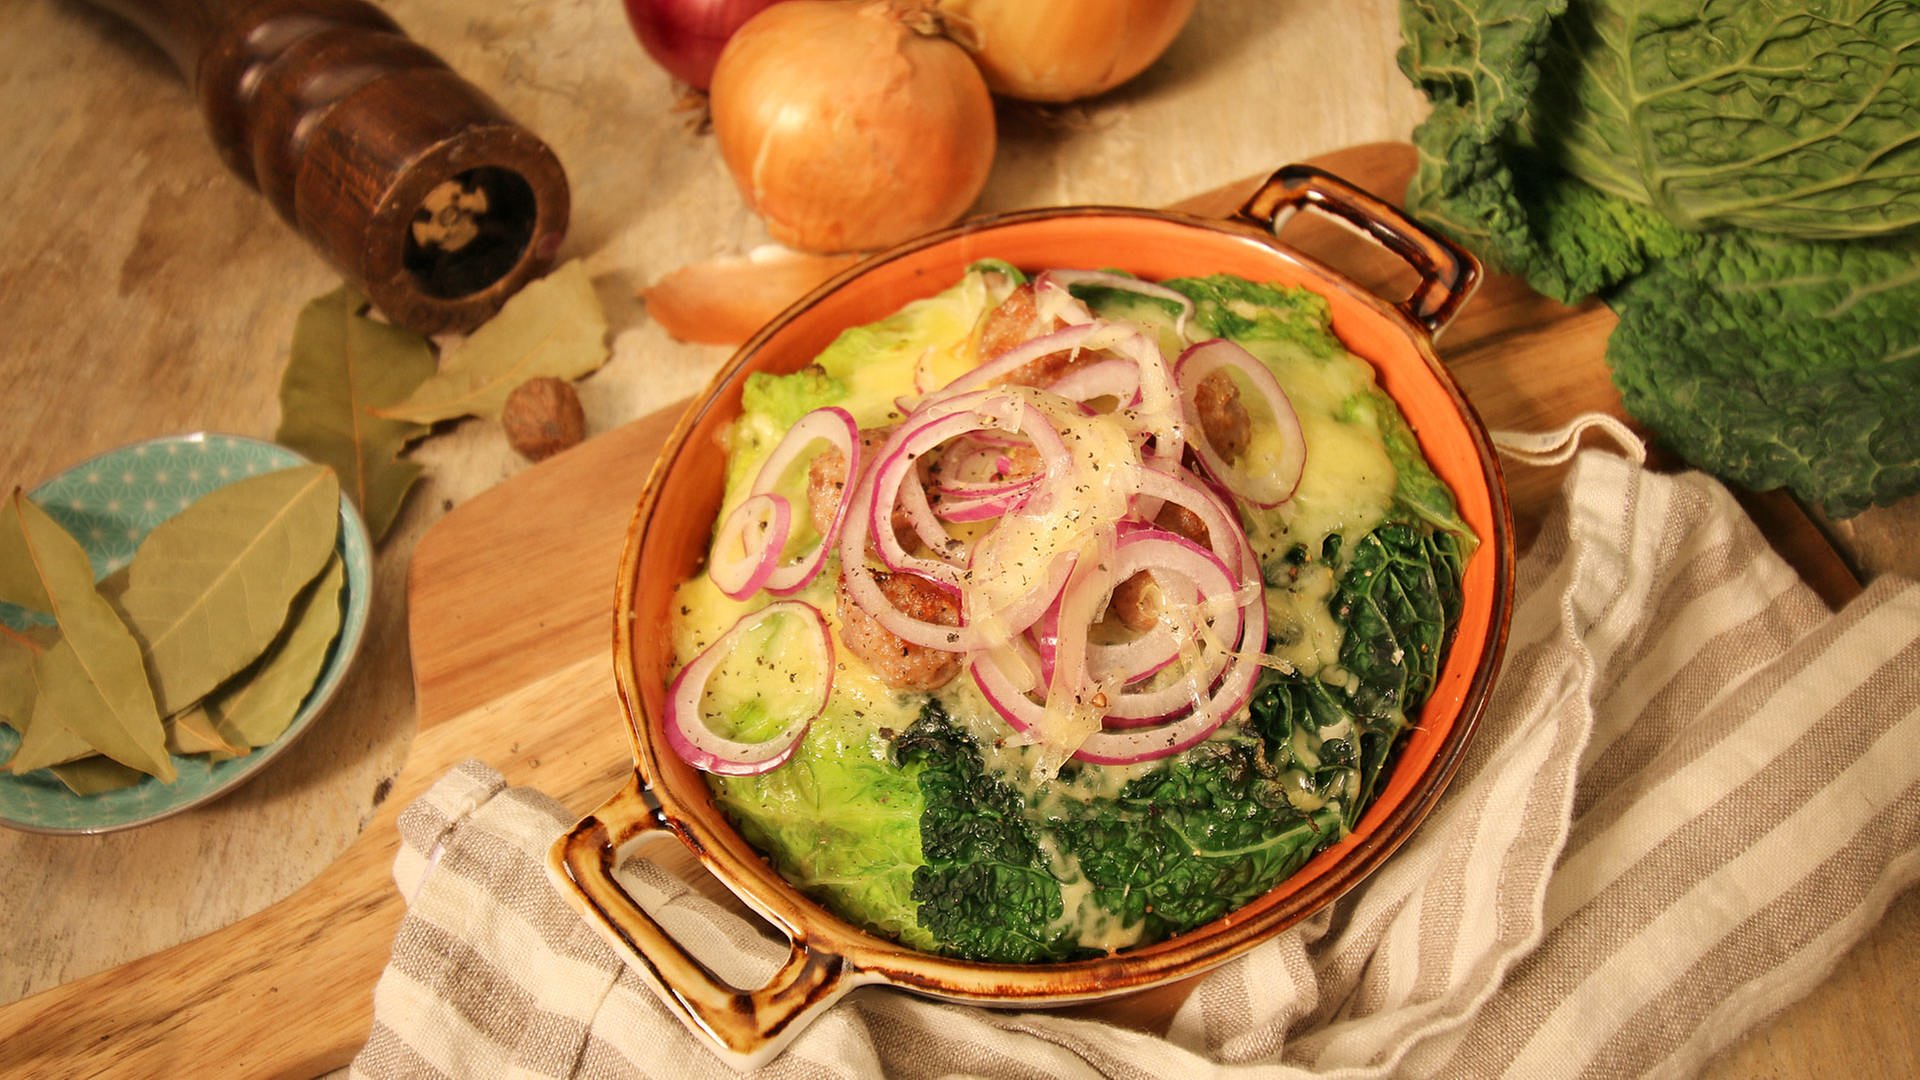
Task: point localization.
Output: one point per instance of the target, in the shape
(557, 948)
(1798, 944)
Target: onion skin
(724, 300)
(846, 129)
(1057, 51)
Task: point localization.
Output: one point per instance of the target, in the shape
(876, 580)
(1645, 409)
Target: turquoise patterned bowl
(110, 503)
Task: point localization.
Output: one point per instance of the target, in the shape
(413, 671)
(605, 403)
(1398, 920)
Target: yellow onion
(1063, 50)
(851, 125)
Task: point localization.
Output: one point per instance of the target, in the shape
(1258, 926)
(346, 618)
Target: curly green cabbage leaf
(1790, 118)
(1739, 181)
(1781, 363)
(1214, 827)
(1479, 63)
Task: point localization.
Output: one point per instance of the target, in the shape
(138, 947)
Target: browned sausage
(901, 664)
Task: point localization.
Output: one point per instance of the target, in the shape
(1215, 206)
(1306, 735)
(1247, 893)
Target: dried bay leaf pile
(358, 392)
(206, 642)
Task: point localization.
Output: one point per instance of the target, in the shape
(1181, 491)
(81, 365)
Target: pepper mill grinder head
(413, 183)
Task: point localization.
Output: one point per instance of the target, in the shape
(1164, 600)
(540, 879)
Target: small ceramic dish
(109, 503)
(672, 527)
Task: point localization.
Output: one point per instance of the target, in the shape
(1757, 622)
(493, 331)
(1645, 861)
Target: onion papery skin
(1063, 50)
(703, 748)
(686, 36)
(848, 130)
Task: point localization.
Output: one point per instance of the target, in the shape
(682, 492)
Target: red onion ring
(837, 427)
(1234, 691)
(1052, 303)
(702, 747)
(1066, 279)
(1206, 655)
(1264, 483)
(746, 546)
(1027, 639)
(1119, 379)
(1197, 579)
(877, 491)
(1070, 339)
(984, 507)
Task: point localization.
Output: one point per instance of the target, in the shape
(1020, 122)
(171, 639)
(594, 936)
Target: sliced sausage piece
(901, 664)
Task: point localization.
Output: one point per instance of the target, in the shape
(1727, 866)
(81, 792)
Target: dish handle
(746, 1027)
(1448, 272)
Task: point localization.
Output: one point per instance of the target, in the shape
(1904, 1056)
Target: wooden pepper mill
(407, 178)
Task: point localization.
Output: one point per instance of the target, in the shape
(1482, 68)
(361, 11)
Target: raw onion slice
(1228, 698)
(1053, 303)
(1221, 649)
(1187, 491)
(975, 463)
(1070, 339)
(746, 547)
(1117, 379)
(1196, 579)
(869, 520)
(896, 483)
(1066, 279)
(984, 507)
(702, 747)
(1270, 469)
(837, 427)
(912, 500)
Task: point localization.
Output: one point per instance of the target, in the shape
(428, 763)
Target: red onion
(1089, 335)
(746, 547)
(1107, 378)
(1194, 579)
(836, 427)
(1120, 745)
(1066, 279)
(686, 36)
(1266, 473)
(1049, 542)
(702, 747)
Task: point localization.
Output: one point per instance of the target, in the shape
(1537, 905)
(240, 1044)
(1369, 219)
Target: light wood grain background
(146, 291)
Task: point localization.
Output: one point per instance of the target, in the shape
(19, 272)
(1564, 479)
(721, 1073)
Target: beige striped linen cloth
(1695, 789)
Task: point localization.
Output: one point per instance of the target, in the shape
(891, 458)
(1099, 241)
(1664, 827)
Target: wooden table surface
(147, 291)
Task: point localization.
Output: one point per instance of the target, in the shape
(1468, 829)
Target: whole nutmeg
(543, 417)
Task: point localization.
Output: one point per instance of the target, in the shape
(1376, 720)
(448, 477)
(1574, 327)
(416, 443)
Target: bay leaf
(18, 649)
(194, 732)
(209, 589)
(46, 740)
(256, 709)
(91, 776)
(19, 580)
(113, 587)
(342, 366)
(553, 326)
(93, 679)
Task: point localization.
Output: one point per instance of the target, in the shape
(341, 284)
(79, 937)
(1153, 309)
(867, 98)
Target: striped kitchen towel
(1695, 788)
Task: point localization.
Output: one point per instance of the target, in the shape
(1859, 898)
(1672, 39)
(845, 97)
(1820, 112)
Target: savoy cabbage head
(1739, 179)
(1792, 118)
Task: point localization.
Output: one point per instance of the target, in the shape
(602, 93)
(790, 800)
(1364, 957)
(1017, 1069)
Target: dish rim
(1338, 867)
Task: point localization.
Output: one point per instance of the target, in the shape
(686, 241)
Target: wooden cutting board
(510, 622)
